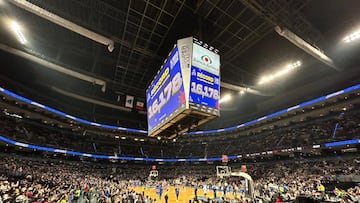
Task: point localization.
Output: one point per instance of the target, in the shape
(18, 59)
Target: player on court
(177, 192)
(160, 191)
(166, 195)
(205, 190)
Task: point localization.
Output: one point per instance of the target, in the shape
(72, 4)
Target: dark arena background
(144, 101)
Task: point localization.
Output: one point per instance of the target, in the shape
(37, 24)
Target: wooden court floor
(186, 193)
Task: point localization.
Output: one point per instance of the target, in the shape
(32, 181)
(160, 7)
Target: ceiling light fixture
(239, 88)
(225, 98)
(282, 72)
(17, 31)
(64, 23)
(352, 37)
(53, 66)
(308, 48)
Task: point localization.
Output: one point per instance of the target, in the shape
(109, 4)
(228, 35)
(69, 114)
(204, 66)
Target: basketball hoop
(153, 175)
(223, 171)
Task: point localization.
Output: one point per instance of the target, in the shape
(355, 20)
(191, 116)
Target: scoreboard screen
(206, 59)
(204, 90)
(165, 96)
(205, 80)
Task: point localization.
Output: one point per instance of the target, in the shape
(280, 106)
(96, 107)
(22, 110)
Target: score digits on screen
(204, 91)
(170, 89)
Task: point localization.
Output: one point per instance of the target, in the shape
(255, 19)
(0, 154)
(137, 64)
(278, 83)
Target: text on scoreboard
(204, 88)
(166, 95)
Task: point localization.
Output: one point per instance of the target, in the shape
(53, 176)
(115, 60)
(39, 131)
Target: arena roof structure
(85, 57)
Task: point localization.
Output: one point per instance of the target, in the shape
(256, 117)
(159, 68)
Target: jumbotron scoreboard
(185, 92)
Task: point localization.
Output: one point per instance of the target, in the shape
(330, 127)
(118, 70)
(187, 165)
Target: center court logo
(206, 59)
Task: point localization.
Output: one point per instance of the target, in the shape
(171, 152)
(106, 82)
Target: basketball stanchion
(248, 183)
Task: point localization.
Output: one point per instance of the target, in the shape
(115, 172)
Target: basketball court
(186, 194)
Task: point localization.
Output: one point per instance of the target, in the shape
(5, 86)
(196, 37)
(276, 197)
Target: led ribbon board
(165, 97)
(205, 79)
(103, 156)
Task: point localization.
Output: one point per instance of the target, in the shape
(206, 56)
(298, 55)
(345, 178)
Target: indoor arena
(179, 101)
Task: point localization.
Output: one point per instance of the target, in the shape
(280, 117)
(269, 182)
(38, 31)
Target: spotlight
(282, 72)
(17, 31)
(52, 17)
(226, 98)
(352, 37)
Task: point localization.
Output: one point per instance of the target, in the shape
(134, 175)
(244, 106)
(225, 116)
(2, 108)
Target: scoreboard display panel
(205, 80)
(205, 58)
(204, 91)
(165, 97)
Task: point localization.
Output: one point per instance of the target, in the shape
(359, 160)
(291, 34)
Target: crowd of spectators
(316, 131)
(291, 179)
(24, 179)
(38, 180)
(313, 132)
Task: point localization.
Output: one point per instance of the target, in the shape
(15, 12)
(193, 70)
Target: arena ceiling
(144, 31)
